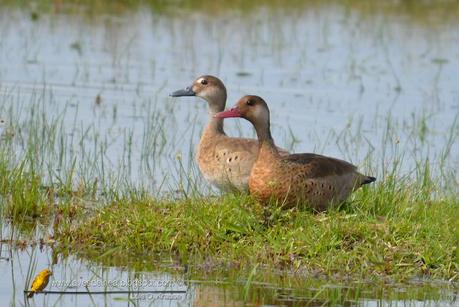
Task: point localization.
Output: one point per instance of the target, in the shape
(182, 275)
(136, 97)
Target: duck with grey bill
(226, 162)
(295, 179)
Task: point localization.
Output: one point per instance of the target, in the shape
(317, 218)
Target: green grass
(396, 230)
(423, 12)
(382, 233)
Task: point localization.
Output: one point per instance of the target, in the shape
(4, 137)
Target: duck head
(250, 107)
(209, 88)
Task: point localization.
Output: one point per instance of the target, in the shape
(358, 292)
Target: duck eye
(250, 102)
(203, 81)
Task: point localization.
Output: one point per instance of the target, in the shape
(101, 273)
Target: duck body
(226, 162)
(303, 179)
(294, 179)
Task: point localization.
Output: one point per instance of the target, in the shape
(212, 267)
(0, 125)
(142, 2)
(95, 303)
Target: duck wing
(317, 166)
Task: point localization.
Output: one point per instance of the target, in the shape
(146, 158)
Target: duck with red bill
(305, 179)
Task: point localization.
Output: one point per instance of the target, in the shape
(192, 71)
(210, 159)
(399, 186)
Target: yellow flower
(40, 282)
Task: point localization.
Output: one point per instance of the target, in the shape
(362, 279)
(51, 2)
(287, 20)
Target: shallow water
(339, 82)
(73, 278)
(361, 86)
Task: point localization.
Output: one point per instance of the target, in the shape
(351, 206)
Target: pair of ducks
(269, 172)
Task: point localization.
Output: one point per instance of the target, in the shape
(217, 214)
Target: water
(333, 77)
(342, 72)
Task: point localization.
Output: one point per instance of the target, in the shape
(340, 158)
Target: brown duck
(293, 179)
(224, 161)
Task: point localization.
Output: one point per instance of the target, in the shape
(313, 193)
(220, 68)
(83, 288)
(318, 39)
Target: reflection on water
(117, 286)
(363, 87)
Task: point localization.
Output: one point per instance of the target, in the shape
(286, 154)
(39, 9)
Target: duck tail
(368, 179)
(30, 294)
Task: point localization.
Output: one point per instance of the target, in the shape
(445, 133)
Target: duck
(296, 179)
(224, 161)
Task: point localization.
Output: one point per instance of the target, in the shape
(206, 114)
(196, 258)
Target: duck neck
(215, 125)
(266, 142)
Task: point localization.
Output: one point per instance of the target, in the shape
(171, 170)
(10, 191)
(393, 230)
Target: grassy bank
(379, 234)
